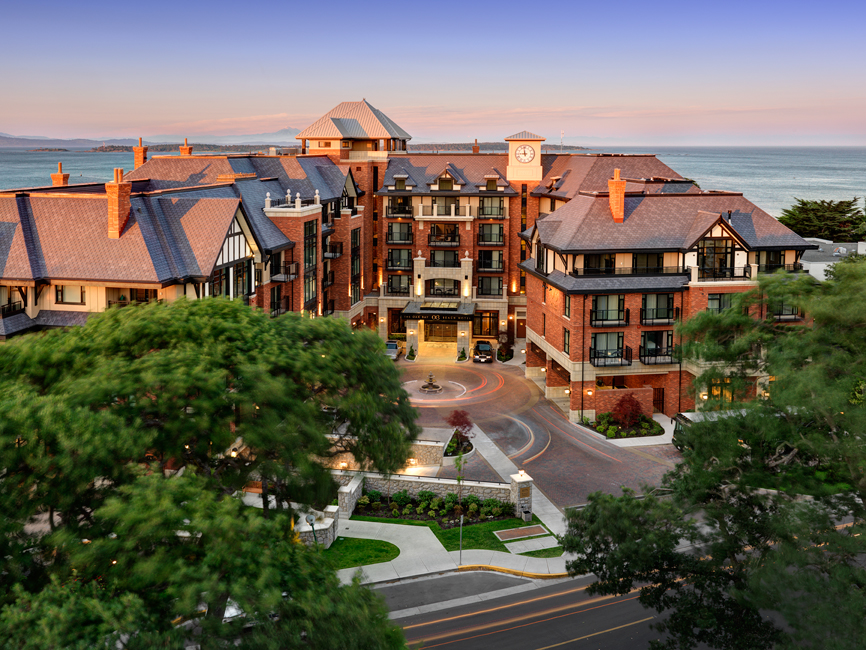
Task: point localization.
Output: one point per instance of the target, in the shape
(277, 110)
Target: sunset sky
(702, 73)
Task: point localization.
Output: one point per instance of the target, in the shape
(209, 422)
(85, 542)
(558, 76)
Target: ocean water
(771, 177)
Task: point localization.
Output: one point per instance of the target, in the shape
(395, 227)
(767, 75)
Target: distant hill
(485, 146)
(19, 142)
(197, 147)
(281, 138)
(277, 138)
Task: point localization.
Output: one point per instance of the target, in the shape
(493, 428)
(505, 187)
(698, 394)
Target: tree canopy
(833, 220)
(119, 505)
(757, 538)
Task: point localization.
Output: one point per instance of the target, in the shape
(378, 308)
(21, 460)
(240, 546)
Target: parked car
(392, 349)
(482, 353)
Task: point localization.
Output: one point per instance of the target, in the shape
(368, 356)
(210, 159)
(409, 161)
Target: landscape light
(344, 465)
(589, 392)
(704, 396)
(234, 453)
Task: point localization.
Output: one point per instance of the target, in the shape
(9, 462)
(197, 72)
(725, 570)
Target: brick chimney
(140, 153)
(616, 188)
(475, 147)
(59, 179)
(185, 150)
(118, 204)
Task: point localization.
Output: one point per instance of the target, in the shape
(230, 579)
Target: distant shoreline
(46, 149)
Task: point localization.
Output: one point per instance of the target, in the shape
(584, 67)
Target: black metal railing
(491, 212)
(310, 305)
(327, 280)
(399, 211)
(490, 240)
(656, 356)
(444, 264)
(281, 306)
(399, 238)
(397, 291)
(608, 317)
(333, 251)
(285, 272)
(772, 268)
(494, 266)
(328, 308)
(725, 273)
(489, 291)
(444, 291)
(631, 270)
(399, 264)
(659, 315)
(444, 241)
(788, 314)
(282, 202)
(616, 357)
(12, 308)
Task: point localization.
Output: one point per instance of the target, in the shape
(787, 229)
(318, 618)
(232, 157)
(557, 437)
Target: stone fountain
(430, 386)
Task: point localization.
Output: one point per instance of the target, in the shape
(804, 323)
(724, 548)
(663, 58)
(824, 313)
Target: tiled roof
(421, 170)
(55, 318)
(525, 135)
(610, 283)
(14, 324)
(659, 222)
(569, 174)
(354, 120)
(825, 252)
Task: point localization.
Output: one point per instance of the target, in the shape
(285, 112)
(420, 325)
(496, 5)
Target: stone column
(412, 335)
(521, 493)
(464, 337)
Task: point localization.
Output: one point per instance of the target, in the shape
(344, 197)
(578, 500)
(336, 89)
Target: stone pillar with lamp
(521, 494)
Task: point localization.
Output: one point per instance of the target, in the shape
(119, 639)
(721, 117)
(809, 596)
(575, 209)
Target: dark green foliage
(426, 495)
(401, 498)
(626, 412)
(374, 495)
(769, 481)
(838, 221)
(174, 386)
(469, 499)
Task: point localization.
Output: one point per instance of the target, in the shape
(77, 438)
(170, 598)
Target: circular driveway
(567, 461)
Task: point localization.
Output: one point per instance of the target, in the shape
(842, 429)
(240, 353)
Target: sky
(761, 72)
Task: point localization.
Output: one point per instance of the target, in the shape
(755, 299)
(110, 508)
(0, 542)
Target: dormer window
(400, 184)
(491, 185)
(446, 184)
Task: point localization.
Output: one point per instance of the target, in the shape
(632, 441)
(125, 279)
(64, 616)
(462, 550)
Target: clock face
(524, 153)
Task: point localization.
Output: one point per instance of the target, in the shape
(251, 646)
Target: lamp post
(460, 561)
(312, 520)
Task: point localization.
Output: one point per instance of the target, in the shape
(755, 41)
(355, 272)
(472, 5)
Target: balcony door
(444, 203)
(716, 256)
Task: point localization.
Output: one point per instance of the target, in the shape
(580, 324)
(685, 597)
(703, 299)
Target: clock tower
(524, 157)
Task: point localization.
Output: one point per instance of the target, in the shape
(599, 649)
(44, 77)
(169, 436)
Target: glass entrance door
(440, 331)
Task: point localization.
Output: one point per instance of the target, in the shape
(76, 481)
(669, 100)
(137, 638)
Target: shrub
(442, 513)
(420, 509)
(462, 354)
(374, 495)
(451, 447)
(401, 498)
(411, 354)
(496, 511)
(622, 434)
(491, 503)
(377, 504)
(485, 511)
(604, 419)
(426, 495)
(436, 503)
(407, 510)
(473, 508)
(469, 499)
(395, 511)
(363, 502)
(462, 424)
(432, 514)
(451, 498)
(447, 506)
(424, 505)
(627, 411)
(611, 431)
(458, 510)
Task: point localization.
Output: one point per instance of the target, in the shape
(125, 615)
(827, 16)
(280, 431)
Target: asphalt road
(559, 616)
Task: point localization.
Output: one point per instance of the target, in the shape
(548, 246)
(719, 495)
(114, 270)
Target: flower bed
(429, 507)
(606, 424)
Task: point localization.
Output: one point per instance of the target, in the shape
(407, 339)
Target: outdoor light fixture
(382, 319)
(544, 370)
(589, 392)
(510, 316)
(522, 473)
(411, 331)
(344, 465)
(704, 396)
(234, 453)
(523, 352)
(567, 392)
(502, 322)
(412, 461)
(462, 333)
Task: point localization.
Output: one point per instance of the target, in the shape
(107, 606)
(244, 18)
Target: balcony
(453, 292)
(630, 270)
(333, 251)
(608, 317)
(399, 238)
(327, 280)
(491, 213)
(490, 266)
(281, 306)
(10, 309)
(787, 314)
(772, 268)
(310, 305)
(328, 308)
(124, 303)
(444, 264)
(725, 274)
(445, 211)
(397, 290)
(656, 356)
(327, 228)
(285, 272)
(443, 241)
(490, 240)
(398, 212)
(659, 316)
(489, 292)
(616, 357)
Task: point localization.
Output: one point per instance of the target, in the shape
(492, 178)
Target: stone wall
(423, 452)
(326, 524)
(348, 495)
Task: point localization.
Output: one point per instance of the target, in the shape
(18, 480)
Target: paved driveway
(566, 461)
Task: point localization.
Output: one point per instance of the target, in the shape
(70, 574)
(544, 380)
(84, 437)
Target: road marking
(613, 629)
(531, 437)
(575, 439)
(520, 618)
(461, 386)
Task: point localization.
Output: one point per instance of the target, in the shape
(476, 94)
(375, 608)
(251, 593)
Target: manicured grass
(349, 552)
(478, 536)
(556, 551)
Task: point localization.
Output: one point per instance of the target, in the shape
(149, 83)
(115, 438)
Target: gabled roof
(525, 135)
(470, 171)
(656, 222)
(357, 120)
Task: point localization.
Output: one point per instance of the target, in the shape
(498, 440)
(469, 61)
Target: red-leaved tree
(462, 425)
(627, 411)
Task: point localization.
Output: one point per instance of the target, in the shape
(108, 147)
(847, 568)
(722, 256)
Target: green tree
(175, 387)
(833, 220)
(750, 520)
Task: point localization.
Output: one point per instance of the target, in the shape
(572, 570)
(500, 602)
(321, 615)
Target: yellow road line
(581, 638)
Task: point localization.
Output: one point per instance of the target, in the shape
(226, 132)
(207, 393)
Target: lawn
(556, 551)
(348, 552)
(474, 536)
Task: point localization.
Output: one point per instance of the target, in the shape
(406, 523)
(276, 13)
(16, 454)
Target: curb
(514, 572)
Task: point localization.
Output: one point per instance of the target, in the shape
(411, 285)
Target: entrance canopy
(441, 310)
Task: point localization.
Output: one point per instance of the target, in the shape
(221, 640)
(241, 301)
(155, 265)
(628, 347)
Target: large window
(566, 340)
(566, 308)
(219, 283)
(400, 206)
(401, 258)
(310, 289)
(310, 244)
(490, 260)
(491, 233)
(443, 287)
(355, 239)
(718, 301)
(399, 284)
(400, 233)
(599, 263)
(659, 342)
(715, 256)
(607, 309)
(607, 343)
(647, 262)
(657, 307)
(489, 286)
(484, 323)
(400, 184)
(243, 278)
(69, 294)
(491, 206)
(446, 184)
(446, 259)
